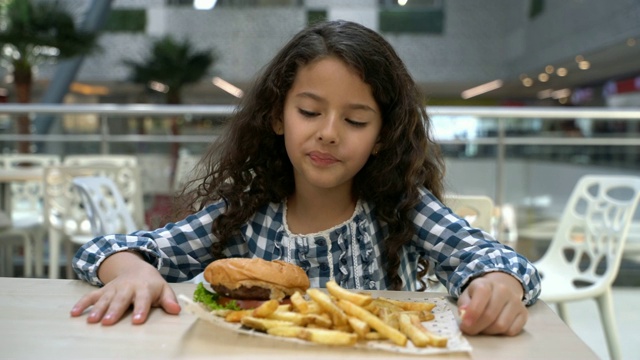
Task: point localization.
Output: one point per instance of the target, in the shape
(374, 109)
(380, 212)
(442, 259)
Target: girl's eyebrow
(355, 106)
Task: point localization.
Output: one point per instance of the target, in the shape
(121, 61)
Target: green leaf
(210, 299)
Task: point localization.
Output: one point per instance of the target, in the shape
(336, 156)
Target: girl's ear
(278, 126)
(375, 149)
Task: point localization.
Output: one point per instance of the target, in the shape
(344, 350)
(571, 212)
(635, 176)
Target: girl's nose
(328, 132)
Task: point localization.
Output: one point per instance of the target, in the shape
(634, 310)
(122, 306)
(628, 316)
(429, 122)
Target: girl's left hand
(492, 305)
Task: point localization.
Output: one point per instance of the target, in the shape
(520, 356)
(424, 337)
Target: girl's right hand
(129, 281)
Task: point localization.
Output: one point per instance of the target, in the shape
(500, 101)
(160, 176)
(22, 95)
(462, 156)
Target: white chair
(11, 239)
(66, 217)
(27, 207)
(584, 256)
(185, 169)
(100, 160)
(105, 207)
(476, 209)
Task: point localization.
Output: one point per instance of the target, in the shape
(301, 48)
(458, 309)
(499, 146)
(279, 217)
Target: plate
(444, 324)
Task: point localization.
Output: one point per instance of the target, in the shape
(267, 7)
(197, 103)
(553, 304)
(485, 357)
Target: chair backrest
(105, 207)
(476, 209)
(64, 209)
(100, 160)
(27, 196)
(593, 228)
(185, 169)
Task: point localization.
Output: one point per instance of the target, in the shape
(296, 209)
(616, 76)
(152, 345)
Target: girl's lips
(322, 158)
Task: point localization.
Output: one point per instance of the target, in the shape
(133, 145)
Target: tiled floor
(585, 321)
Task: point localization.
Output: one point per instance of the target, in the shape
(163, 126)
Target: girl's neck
(309, 213)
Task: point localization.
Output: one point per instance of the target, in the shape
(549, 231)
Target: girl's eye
(356, 123)
(306, 113)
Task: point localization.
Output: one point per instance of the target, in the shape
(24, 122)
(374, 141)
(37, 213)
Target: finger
(464, 300)
(463, 304)
(141, 306)
(507, 318)
(100, 307)
(518, 324)
(117, 307)
(84, 303)
(169, 302)
(479, 300)
(496, 317)
(511, 325)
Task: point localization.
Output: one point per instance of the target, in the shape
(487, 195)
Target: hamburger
(241, 283)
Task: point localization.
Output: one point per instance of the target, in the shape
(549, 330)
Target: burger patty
(243, 292)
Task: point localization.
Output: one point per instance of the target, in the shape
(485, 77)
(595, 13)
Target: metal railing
(498, 116)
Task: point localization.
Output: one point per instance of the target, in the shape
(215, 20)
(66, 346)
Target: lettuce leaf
(210, 299)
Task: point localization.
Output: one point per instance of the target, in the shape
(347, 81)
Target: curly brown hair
(248, 166)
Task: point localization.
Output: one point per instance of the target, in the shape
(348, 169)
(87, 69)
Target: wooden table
(35, 324)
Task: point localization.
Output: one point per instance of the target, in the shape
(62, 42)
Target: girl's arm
(492, 282)
(461, 253)
(179, 251)
(129, 281)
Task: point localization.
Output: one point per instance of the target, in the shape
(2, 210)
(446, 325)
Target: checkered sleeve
(461, 253)
(178, 250)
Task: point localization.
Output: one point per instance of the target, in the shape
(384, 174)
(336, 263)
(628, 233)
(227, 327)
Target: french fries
(389, 332)
(342, 318)
(341, 293)
(410, 305)
(267, 308)
(337, 316)
(418, 337)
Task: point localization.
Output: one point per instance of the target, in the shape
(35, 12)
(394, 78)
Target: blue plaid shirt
(350, 252)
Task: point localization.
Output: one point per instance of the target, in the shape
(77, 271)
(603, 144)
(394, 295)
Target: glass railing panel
(527, 159)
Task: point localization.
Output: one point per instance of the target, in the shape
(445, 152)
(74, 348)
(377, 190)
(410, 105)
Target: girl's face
(331, 125)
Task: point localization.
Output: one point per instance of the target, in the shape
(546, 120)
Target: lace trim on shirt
(277, 244)
(324, 233)
(367, 256)
(344, 275)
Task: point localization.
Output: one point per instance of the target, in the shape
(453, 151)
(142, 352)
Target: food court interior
(528, 96)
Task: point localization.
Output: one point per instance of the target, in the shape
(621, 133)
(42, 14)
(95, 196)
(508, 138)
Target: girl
(327, 163)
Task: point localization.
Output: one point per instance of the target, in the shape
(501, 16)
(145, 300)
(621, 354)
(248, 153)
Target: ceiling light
(549, 69)
(631, 42)
(527, 82)
(561, 72)
(204, 4)
(562, 93)
(158, 86)
(543, 77)
(584, 65)
(544, 94)
(481, 89)
(86, 89)
(402, 2)
(579, 58)
(227, 86)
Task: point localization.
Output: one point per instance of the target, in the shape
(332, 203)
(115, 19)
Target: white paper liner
(444, 324)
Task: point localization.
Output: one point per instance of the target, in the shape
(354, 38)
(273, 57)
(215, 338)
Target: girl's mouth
(322, 159)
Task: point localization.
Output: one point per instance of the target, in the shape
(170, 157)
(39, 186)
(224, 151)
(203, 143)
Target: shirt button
(324, 267)
(321, 242)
